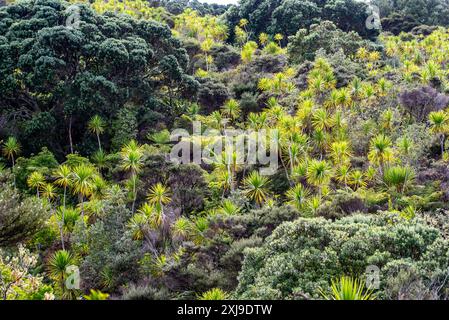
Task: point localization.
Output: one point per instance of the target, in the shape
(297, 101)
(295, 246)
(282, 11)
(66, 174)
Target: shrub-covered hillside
(97, 98)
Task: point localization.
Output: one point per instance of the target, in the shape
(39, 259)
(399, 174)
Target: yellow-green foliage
(136, 8)
(190, 24)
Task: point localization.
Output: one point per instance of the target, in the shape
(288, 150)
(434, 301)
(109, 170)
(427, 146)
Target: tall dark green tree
(287, 16)
(60, 66)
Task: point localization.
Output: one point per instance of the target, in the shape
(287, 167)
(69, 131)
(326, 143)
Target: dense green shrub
(225, 57)
(217, 261)
(327, 36)
(112, 257)
(20, 218)
(189, 187)
(287, 16)
(145, 292)
(304, 255)
(401, 15)
(124, 127)
(419, 102)
(44, 162)
(342, 204)
(212, 95)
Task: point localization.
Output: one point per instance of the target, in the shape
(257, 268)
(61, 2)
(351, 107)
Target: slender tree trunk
(134, 192)
(62, 233)
(99, 142)
(65, 193)
(13, 174)
(170, 94)
(442, 138)
(70, 135)
(291, 159)
(231, 186)
(61, 230)
(223, 193)
(234, 175)
(82, 216)
(63, 219)
(62, 284)
(381, 168)
(81, 197)
(285, 169)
